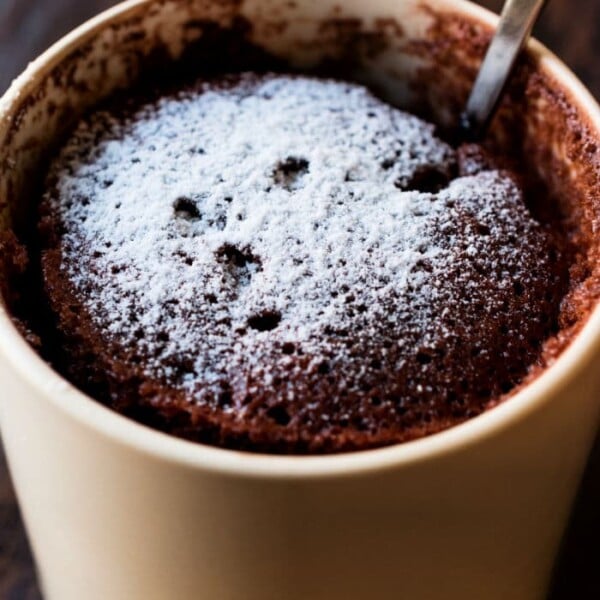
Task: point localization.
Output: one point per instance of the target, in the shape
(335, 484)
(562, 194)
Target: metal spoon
(516, 22)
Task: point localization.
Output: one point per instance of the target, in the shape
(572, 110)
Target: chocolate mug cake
(284, 263)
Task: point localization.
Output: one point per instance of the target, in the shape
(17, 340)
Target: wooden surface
(570, 28)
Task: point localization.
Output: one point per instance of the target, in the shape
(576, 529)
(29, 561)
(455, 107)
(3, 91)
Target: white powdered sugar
(213, 227)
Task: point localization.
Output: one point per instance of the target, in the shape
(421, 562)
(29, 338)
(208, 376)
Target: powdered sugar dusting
(219, 230)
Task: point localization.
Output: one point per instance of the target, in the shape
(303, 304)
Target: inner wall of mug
(421, 56)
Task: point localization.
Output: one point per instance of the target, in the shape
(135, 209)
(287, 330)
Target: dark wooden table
(570, 28)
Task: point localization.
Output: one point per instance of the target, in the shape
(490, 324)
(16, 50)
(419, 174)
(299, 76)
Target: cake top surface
(295, 245)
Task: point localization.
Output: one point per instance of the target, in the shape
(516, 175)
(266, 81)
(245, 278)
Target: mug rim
(44, 381)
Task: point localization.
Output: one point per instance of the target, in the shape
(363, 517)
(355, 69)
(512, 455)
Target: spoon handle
(515, 25)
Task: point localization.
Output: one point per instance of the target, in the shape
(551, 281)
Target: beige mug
(117, 511)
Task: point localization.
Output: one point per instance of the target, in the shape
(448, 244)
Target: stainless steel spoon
(516, 22)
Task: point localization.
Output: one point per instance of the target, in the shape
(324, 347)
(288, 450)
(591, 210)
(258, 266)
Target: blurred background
(570, 28)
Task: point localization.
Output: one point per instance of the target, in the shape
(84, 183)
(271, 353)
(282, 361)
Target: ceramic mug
(117, 511)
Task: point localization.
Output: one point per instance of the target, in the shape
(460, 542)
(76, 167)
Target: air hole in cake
(225, 398)
(279, 414)
(426, 179)
(236, 256)
(518, 288)
(185, 257)
(265, 321)
(425, 265)
(240, 264)
(288, 172)
(423, 358)
(185, 208)
(360, 424)
(136, 359)
(288, 348)
(375, 364)
(483, 229)
(324, 368)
